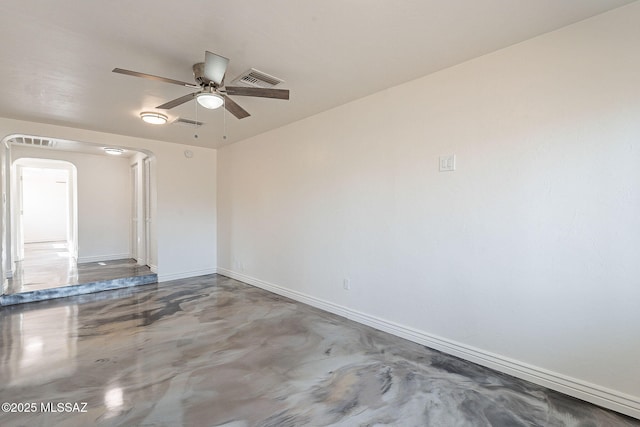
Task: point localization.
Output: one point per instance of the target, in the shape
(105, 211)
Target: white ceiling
(57, 56)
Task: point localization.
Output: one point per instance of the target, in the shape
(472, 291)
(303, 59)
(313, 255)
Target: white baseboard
(184, 275)
(605, 397)
(61, 240)
(98, 258)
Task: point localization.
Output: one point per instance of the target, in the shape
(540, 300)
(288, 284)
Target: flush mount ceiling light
(210, 100)
(113, 151)
(153, 118)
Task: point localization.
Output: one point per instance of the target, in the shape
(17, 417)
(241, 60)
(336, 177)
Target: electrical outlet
(346, 284)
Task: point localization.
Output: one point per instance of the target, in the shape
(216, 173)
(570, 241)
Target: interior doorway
(45, 213)
(140, 219)
(135, 235)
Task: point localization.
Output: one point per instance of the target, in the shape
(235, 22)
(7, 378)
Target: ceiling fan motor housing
(198, 74)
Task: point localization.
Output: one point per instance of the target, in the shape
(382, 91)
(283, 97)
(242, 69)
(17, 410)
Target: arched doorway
(75, 165)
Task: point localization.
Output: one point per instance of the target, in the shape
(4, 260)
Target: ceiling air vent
(33, 141)
(187, 122)
(255, 78)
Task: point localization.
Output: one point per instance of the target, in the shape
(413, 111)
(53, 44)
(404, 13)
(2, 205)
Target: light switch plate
(448, 163)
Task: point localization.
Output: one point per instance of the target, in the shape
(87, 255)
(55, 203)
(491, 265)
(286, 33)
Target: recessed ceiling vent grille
(33, 141)
(255, 78)
(187, 122)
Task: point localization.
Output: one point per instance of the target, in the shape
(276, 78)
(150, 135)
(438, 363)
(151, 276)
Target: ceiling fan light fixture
(153, 118)
(210, 100)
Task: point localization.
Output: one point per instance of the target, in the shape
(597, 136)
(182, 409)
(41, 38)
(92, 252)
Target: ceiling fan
(209, 77)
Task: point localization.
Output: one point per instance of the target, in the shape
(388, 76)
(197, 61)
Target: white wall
(104, 204)
(525, 258)
(45, 204)
(184, 200)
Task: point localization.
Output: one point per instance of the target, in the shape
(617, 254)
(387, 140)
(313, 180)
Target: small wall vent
(255, 78)
(187, 122)
(33, 141)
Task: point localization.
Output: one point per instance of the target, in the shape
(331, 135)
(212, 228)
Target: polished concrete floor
(211, 351)
(49, 265)
(49, 271)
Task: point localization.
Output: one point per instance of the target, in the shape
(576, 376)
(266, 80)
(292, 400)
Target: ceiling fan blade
(257, 91)
(215, 66)
(156, 78)
(234, 108)
(177, 101)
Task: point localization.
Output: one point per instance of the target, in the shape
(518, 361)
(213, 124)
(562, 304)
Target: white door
(19, 226)
(134, 211)
(147, 210)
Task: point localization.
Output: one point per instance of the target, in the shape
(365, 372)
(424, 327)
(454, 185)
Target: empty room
(299, 213)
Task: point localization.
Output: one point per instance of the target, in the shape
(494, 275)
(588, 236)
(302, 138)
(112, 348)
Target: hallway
(45, 265)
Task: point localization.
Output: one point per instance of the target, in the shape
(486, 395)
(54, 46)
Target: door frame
(17, 167)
